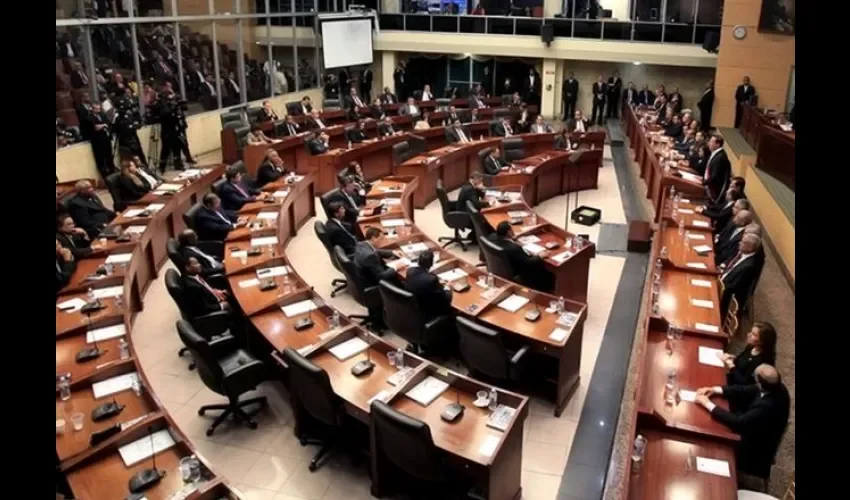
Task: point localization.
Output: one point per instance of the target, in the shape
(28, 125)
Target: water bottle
(692, 459)
(349, 144)
(399, 358)
(494, 399)
(675, 203)
(65, 387)
(658, 265)
(638, 450)
(533, 219)
(137, 387)
(656, 309)
(561, 305)
(335, 319)
(673, 192)
(681, 226)
(491, 282)
(687, 240)
(124, 349)
(670, 388)
(90, 295)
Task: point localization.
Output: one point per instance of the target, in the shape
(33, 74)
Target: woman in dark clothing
(761, 348)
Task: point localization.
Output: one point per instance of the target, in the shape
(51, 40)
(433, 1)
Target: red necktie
(208, 287)
(731, 263)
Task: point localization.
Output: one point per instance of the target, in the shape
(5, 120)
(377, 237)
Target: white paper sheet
(349, 348)
(707, 328)
(525, 240)
(414, 248)
(280, 194)
(685, 211)
(533, 249)
(298, 308)
(119, 258)
(146, 446)
(710, 356)
(702, 248)
(700, 223)
(399, 263)
(686, 395)
(705, 304)
(712, 466)
(558, 335)
(563, 256)
(266, 240)
(133, 212)
(113, 385)
(267, 215)
(696, 236)
(271, 272)
(517, 214)
(453, 274)
(489, 445)
(108, 292)
(74, 304)
(393, 222)
(155, 207)
(513, 303)
(696, 265)
(249, 283)
(106, 333)
(493, 194)
(701, 283)
(427, 390)
(135, 229)
(170, 187)
(239, 254)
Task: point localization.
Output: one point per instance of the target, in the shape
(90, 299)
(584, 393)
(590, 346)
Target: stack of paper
(700, 223)
(558, 335)
(238, 254)
(72, 305)
(489, 445)
(707, 328)
(702, 248)
(452, 275)
(135, 229)
(513, 303)
(391, 202)
(155, 207)
(427, 391)
(145, 447)
(267, 240)
(493, 194)
(701, 283)
(119, 258)
(533, 249)
(393, 222)
(501, 417)
(133, 212)
(271, 272)
(712, 466)
(280, 194)
(686, 395)
(399, 263)
(108, 292)
(297, 308)
(696, 265)
(705, 304)
(400, 376)
(531, 238)
(685, 211)
(106, 333)
(561, 257)
(170, 187)
(349, 348)
(709, 356)
(249, 283)
(517, 214)
(114, 385)
(696, 236)
(414, 249)
(567, 319)
(267, 215)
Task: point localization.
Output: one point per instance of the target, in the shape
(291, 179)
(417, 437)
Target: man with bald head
(758, 412)
(740, 272)
(87, 210)
(726, 242)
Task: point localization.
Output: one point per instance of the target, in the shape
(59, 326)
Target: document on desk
(558, 335)
(685, 211)
(249, 283)
(72, 305)
(690, 177)
(280, 194)
(489, 445)
(266, 240)
(567, 319)
(701, 283)
(114, 385)
(239, 254)
(414, 248)
(271, 272)
(702, 248)
(393, 222)
(135, 229)
(710, 356)
(400, 376)
(493, 194)
(531, 238)
(517, 214)
(501, 417)
(119, 258)
(686, 395)
(146, 446)
(349, 348)
(267, 215)
(427, 391)
(297, 308)
(705, 304)
(712, 466)
(513, 303)
(106, 333)
(391, 202)
(155, 207)
(696, 236)
(696, 265)
(170, 187)
(133, 212)
(700, 223)
(707, 328)
(399, 263)
(533, 249)
(453, 274)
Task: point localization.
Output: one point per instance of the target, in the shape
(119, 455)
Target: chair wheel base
(313, 466)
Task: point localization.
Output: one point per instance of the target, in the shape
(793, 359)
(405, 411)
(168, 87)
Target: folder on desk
(267, 215)
(513, 303)
(106, 333)
(271, 272)
(146, 446)
(349, 348)
(426, 391)
(393, 222)
(709, 356)
(533, 249)
(114, 385)
(453, 274)
(119, 258)
(298, 308)
(268, 240)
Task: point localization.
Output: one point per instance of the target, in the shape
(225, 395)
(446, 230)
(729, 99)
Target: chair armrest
(223, 344)
(438, 322)
(210, 325)
(372, 297)
(517, 357)
(214, 248)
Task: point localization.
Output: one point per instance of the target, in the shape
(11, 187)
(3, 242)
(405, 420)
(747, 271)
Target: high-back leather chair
(293, 108)
(111, 181)
(254, 115)
(403, 316)
(227, 370)
(512, 149)
(443, 102)
(325, 200)
(232, 119)
(332, 104)
(482, 227)
(368, 297)
(453, 218)
(497, 261)
(484, 352)
(347, 132)
(491, 127)
(241, 133)
(322, 234)
(401, 153)
(189, 215)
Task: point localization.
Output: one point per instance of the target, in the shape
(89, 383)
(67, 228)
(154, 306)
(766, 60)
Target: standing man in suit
(705, 106)
(741, 271)
(87, 210)
(744, 94)
(290, 128)
(199, 297)
(210, 264)
(645, 96)
(600, 92)
(349, 196)
(577, 123)
(456, 133)
(718, 169)
(721, 213)
(569, 94)
(366, 84)
(213, 222)
(340, 233)
(615, 90)
(398, 80)
(630, 96)
(761, 423)
(94, 127)
(493, 162)
(532, 88)
(530, 269)
(433, 299)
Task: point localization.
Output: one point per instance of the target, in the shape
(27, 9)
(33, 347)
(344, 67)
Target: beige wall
(767, 59)
(204, 134)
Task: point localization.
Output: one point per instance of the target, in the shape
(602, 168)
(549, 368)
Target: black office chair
(254, 114)
(443, 102)
(314, 402)
(417, 95)
(111, 181)
(455, 219)
(293, 108)
(227, 370)
(482, 155)
(506, 99)
(368, 297)
(502, 113)
(241, 137)
(232, 119)
(497, 261)
(403, 443)
(332, 105)
(347, 133)
(482, 229)
(211, 248)
(322, 234)
(401, 153)
(326, 199)
(512, 149)
(210, 325)
(404, 318)
(491, 127)
(485, 353)
(307, 138)
(216, 186)
(190, 215)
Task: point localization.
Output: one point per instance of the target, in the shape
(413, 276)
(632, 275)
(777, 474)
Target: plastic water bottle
(664, 252)
(65, 387)
(494, 399)
(673, 192)
(349, 144)
(90, 295)
(638, 451)
(687, 240)
(335, 319)
(399, 358)
(124, 349)
(670, 388)
(681, 226)
(658, 266)
(491, 282)
(561, 305)
(533, 219)
(656, 309)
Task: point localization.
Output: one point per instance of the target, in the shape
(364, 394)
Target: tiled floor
(268, 463)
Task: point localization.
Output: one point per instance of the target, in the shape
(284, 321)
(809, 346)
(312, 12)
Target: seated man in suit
(385, 128)
(530, 269)
(410, 108)
(355, 172)
(271, 169)
(761, 423)
(456, 134)
(540, 126)
(73, 238)
(493, 162)
(562, 141)
(210, 264)
(199, 297)
(516, 100)
(388, 97)
(65, 266)
(369, 260)
(475, 101)
(470, 117)
(721, 213)
(577, 123)
(306, 106)
(318, 144)
(290, 128)
(213, 222)
(358, 135)
(87, 210)
(314, 122)
(452, 116)
(685, 141)
(235, 194)
(740, 272)
(726, 242)
(353, 101)
(523, 122)
(132, 186)
(268, 114)
(340, 233)
(349, 196)
(433, 299)
(472, 191)
(376, 110)
(674, 129)
(503, 128)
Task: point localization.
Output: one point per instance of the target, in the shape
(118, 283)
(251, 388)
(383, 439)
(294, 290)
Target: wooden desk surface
(679, 290)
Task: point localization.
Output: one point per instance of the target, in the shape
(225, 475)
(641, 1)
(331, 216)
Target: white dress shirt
(580, 126)
(461, 135)
(426, 96)
(147, 177)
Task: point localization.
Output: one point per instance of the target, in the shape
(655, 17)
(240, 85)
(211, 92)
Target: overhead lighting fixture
(637, 63)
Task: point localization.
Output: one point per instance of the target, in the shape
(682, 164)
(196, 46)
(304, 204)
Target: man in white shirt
(281, 86)
(540, 127)
(740, 272)
(410, 108)
(316, 120)
(426, 93)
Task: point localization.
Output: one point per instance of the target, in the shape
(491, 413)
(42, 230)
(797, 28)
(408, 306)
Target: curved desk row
(95, 472)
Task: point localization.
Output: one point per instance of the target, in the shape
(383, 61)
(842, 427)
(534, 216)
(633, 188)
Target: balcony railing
(591, 29)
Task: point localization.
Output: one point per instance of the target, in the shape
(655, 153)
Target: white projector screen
(347, 43)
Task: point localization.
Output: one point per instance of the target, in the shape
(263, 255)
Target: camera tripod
(153, 146)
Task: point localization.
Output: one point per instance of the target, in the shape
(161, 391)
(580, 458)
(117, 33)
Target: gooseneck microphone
(146, 478)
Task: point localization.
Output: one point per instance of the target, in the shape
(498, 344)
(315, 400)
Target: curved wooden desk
(99, 472)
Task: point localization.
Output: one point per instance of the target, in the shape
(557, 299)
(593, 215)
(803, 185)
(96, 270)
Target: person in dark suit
(79, 79)
(235, 194)
(470, 116)
(210, 264)
(451, 115)
(388, 97)
(562, 141)
(213, 222)
(600, 92)
(684, 143)
(739, 183)
(268, 114)
(615, 90)
(399, 80)
(319, 144)
(131, 185)
(744, 94)
(87, 210)
(314, 121)
(353, 102)
(369, 260)
(698, 158)
(376, 110)
(66, 265)
(645, 96)
(761, 423)
(358, 134)
(475, 102)
(340, 233)
(349, 196)
(457, 134)
(569, 94)
(760, 349)
(630, 96)
(530, 269)
(409, 108)
(72, 237)
(740, 273)
(366, 84)
(578, 124)
(718, 169)
(721, 213)
(705, 106)
(271, 169)
(674, 99)
(355, 172)
(472, 191)
(306, 107)
(726, 242)
(386, 129)
(674, 129)
(493, 162)
(433, 299)
(290, 128)
(503, 128)
(199, 297)
(531, 86)
(95, 127)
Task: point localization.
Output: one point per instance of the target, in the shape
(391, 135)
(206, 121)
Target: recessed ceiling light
(636, 63)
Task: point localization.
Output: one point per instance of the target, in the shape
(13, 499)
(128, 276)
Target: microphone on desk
(364, 366)
(146, 478)
(89, 353)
